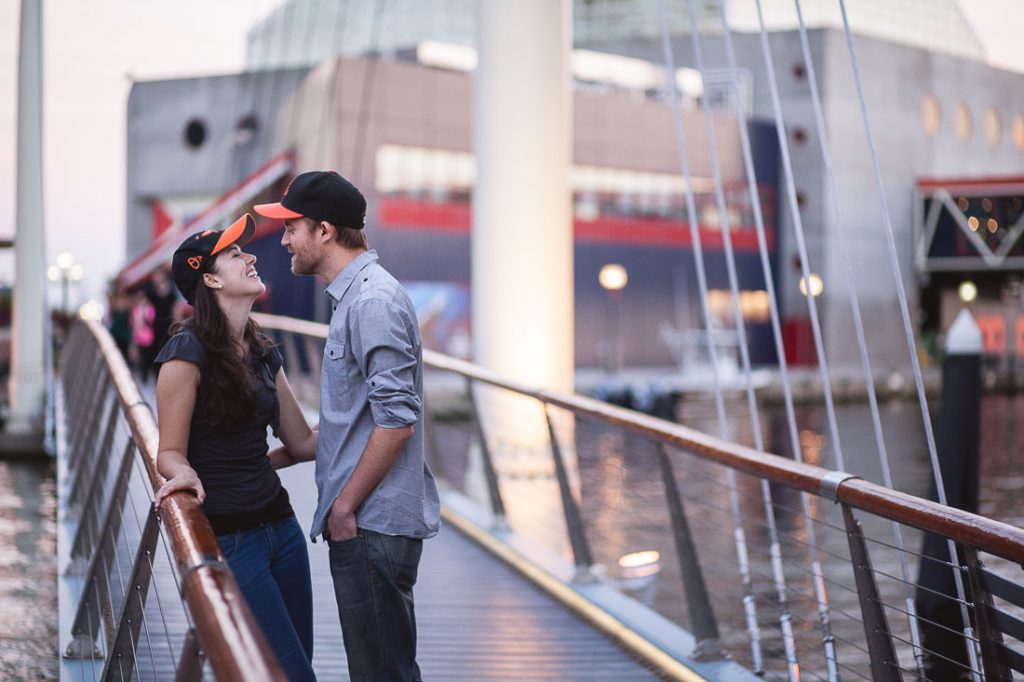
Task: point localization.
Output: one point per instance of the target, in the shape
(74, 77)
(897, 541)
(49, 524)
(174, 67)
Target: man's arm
(299, 440)
(381, 452)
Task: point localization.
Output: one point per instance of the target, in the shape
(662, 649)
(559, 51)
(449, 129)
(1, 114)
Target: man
(377, 497)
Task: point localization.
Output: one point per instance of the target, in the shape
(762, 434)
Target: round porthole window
(993, 128)
(962, 123)
(931, 115)
(1017, 131)
(246, 129)
(195, 133)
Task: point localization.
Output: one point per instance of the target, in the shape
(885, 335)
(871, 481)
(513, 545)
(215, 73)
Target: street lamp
(64, 270)
(613, 279)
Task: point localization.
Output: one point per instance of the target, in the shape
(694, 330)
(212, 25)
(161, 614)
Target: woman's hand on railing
(185, 479)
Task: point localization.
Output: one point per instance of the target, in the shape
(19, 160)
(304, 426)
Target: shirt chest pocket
(333, 351)
(339, 377)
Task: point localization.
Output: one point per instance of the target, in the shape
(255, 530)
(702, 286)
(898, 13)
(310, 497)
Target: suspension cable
(794, 432)
(798, 229)
(907, 326)
(778, 573)
(883, 455)
(369, 80)
(750, 607)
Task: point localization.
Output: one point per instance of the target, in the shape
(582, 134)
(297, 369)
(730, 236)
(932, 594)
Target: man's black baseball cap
(320, 195)
(194, 256)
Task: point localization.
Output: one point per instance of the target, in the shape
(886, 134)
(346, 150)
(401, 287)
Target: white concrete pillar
(522, 243)
(29, 340)
(522, 252)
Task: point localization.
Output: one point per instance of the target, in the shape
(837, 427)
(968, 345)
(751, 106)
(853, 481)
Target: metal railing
(636, 481)
(138, 611)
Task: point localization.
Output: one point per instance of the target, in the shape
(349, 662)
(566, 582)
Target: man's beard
(300, 265)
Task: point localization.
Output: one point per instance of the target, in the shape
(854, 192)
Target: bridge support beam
(29, 343)
(522, 239)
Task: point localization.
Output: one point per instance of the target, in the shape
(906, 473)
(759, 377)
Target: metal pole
(490, 475)
(941, 589)
(884, 663)
(573, 521)
(30, 330)
(698, 602)
(989, 637)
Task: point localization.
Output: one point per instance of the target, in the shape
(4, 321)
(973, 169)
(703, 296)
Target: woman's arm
(175, 399)
(299, 440)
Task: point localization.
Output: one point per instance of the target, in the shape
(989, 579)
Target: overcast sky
(93, 49)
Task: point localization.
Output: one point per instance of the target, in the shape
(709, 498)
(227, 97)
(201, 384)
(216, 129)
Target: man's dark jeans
(373, 579)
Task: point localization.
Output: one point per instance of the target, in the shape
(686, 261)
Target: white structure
(522, 239)
(30, 339)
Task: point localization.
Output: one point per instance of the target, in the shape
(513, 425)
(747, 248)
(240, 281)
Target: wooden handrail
(227, 631)
(985, 534)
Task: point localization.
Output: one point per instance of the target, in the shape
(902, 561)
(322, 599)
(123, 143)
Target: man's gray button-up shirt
(372, 377)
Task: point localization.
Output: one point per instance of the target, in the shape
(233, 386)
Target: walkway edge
(465, 516)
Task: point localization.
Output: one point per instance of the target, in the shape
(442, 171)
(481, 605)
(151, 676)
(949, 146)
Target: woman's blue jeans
(271, 565)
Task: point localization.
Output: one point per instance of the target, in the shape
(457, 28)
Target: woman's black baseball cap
(193, 258)
(320, 195)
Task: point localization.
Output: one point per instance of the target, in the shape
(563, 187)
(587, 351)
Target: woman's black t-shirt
(242, 489)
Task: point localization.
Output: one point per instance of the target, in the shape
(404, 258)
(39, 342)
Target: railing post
(702, 616)
(432, 452)
(884, 663)
(573, 521)
(90, 473)
(190, 664)
(88, 524)
(92, 601)
(121, 657)
(493, 491)
(91, 417)
(989, 636)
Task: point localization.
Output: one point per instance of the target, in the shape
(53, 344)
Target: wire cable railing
(153, 595)
(584, 498)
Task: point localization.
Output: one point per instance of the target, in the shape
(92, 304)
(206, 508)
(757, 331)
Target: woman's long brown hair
(227, 389)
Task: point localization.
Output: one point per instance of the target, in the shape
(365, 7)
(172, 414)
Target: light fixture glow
(613, 277)
(640, 565)
(972, 223)
(53, 273)
(816, 285)
(634, 559)
(91, 310)
(967, 291)
(65, 260)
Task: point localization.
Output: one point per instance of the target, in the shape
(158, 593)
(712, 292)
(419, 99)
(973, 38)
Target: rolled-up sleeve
(387, 358)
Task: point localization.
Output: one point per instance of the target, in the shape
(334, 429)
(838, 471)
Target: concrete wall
(161, 163)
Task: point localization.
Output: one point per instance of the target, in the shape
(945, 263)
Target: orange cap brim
(240, 232)
(276, 211)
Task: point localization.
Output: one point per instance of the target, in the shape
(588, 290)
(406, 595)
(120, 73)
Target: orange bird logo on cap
(195, 261)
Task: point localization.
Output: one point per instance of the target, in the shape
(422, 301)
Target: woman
(220, 385)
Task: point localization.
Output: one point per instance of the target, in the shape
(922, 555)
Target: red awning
(223, 208)
(977, 186)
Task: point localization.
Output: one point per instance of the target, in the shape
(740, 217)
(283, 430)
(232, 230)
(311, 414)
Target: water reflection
(28, 571)
(623, 505)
